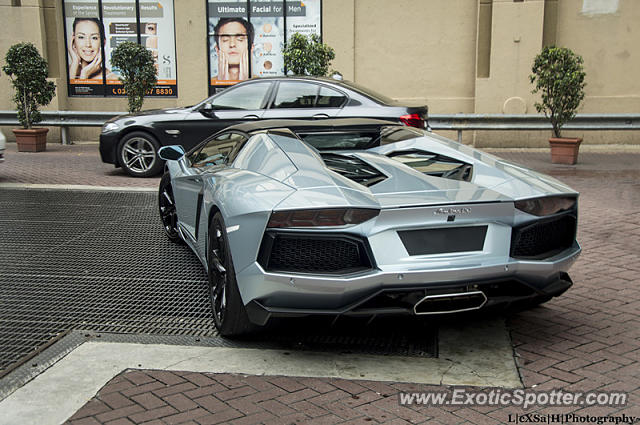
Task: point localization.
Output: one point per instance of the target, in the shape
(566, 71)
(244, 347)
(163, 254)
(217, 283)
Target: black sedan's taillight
(412, 120)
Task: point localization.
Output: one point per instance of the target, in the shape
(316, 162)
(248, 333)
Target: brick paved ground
(65, 164)
(588, 339)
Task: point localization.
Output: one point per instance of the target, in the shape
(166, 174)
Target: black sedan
(132, 141)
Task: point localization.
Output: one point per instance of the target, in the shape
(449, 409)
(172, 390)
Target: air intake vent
(307, 253)
(543, 239)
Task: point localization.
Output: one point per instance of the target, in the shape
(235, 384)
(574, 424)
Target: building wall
(457, 56)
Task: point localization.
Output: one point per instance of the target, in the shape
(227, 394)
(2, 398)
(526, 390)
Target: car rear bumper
(376, 292)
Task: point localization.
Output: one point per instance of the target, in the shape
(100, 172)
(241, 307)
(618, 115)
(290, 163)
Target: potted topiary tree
(137, 72)
(28, 72)
(307, 55)
(558, 75)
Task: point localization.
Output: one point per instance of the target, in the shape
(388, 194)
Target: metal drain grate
(94, 261)
(98, 261)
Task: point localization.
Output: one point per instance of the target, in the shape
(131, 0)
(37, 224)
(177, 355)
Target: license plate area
(443, 240)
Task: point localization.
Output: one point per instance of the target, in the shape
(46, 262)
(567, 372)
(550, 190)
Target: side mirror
(207, 110)
(171, 153)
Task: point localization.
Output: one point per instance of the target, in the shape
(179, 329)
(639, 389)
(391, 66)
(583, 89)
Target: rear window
(393, 134)
(369, 93)
(358, 139)
(433, 164)
(341, 141)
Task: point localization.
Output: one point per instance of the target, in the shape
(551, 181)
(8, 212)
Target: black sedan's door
(235, 105)
(305, 100)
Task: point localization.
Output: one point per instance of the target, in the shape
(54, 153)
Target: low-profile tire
(167, 209)
(138, 154)
(229, 313)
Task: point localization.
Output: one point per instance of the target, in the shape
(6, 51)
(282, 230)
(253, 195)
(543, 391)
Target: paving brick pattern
(78, 164)
(588, 339)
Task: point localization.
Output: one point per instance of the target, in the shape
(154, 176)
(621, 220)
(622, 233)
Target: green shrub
(558, 76)
(137, 72)
(28, 72)
(307, 55)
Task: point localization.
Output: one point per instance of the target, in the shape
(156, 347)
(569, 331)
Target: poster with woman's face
(85, 43)
(91, 41)
(230, 42)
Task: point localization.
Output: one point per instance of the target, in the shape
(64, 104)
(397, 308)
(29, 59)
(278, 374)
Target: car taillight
(546, 206)
(324, 217)
(412, 120)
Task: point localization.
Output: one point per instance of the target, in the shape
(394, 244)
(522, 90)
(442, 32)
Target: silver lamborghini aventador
(362, 217)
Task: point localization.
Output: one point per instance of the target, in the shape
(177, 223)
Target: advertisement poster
(94, 28)
(231, 38)
(246, 37)
(119, 18)
(85, 41)
(157, 33)
(304, 17)
(267, 17)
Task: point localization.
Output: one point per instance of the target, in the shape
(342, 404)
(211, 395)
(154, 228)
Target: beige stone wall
(454, 55)
(399, 48)
(22, 23)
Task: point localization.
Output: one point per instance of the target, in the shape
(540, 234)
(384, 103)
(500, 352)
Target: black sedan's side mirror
(171, 153)
(207, 110)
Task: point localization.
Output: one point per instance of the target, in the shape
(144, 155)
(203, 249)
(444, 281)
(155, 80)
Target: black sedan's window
(296, 95)
(245, 97)
(329, 98)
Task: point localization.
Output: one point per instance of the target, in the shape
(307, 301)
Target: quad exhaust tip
(450, 303)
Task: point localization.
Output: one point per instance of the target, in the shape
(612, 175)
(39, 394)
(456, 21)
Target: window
(296, 95)
(433, 164)
(352, 140)
(398, 133)
(365, 91)
(217, 151)
(329, 98)
(246, 97)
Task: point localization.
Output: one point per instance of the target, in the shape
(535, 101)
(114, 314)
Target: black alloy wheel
(229, 313)
(167, 209)
(138, 154)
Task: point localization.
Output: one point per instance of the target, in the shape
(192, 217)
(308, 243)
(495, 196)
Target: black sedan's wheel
(229, 313)
(167, 209)
(138, 154)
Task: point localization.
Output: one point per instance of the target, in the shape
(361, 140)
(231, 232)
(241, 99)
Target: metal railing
(63, 119)
(466, 122)
(455, 122)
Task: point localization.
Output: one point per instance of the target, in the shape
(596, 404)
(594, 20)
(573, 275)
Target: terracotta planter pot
(564, 150)
(31, 140)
